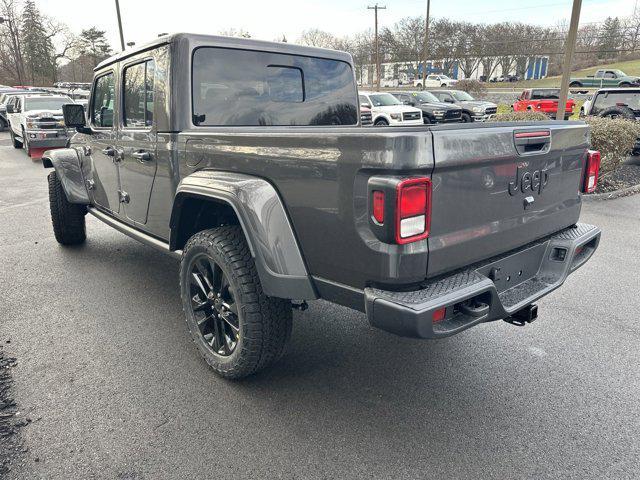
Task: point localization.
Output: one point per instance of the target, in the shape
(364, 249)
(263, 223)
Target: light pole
(569, 48)
(120, 24)
(376, 8)
(426, 44)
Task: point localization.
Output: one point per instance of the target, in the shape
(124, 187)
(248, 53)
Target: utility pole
(426, 44)
(569, 48)
(120, 25)
(376, 8)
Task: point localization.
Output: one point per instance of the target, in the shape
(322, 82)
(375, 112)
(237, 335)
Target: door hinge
(123, 196)
(91, 185)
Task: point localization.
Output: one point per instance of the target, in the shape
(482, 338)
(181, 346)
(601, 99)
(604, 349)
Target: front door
(102, 151)
(137, 139)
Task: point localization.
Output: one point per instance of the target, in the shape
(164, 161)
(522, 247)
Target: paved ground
(107, 374)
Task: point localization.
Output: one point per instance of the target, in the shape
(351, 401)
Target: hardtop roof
(229, 42)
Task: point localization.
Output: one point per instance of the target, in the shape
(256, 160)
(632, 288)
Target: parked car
(212, 163)
(434, 81)
(616, 103)
(4, 99)
(543, 100)
(606, 78)
(387, 110)
(366, 118)
(472, 110)
(36, 121)
(433, 110)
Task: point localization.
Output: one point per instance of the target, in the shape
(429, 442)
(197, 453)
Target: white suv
(388, 110)
(434, 81)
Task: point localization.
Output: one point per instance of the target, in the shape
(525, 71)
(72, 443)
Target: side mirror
(366, 105)
(407, 102)
(448, 100)
(10, 109)
(74, 115)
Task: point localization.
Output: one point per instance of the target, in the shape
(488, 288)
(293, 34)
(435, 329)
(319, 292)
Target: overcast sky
(269, 20)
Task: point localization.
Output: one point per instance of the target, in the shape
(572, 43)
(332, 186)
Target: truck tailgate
(498, 187)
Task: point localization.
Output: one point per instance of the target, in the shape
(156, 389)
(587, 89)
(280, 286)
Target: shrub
(614, 138)
(472, 87)
(527, 116)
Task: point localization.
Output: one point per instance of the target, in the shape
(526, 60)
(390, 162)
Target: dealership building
(536, 67)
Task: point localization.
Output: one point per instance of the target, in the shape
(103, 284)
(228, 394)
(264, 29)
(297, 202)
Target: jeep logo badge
(524, 182)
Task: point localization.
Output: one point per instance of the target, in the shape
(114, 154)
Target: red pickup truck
(543, 100)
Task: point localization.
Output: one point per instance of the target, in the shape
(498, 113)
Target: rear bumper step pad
(506, 284)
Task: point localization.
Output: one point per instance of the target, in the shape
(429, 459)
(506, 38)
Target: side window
(599, 74)
(609, 75)
(138, 95)
(250, 88)
(103, 101)
(364, 101)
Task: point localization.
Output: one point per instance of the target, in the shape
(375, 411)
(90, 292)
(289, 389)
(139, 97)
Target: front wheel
(237, 329)
(419, 86)
(625, 84)
(466, 118)
(575, 84)
(381, 122)
(3, 124)
(14, 140)
(67, 218)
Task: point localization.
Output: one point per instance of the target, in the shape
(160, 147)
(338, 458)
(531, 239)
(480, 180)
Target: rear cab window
(233, 87)
(137, 98)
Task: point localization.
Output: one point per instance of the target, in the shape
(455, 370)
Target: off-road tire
(67, 218)
(466, 118)
(16, 143)
(265, 322)
(621, 112)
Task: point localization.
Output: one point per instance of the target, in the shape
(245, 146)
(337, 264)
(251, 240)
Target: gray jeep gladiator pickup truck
(246, 161)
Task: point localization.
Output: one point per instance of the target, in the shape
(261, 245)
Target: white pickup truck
(36, 121)
(434, 81)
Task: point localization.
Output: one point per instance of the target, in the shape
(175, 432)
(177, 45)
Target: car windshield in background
(426, 97)
(617, 99)
(551, 94)
(462, 96)
(384, 100)
(46, 103)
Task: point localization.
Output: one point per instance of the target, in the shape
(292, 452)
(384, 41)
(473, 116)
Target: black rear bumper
(506, 284)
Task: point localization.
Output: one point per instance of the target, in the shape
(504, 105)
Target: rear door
(137, 137)
(496, 188)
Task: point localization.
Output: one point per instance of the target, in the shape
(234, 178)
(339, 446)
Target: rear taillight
(591, 171)
(413, 206)
(378, 206)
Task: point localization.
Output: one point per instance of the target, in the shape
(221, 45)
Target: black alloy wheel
(213, 305)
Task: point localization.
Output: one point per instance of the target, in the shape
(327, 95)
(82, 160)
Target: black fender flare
(265, 223)
(68, 168)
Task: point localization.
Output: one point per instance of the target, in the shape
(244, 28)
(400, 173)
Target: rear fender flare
(66, 163)
(263, 219)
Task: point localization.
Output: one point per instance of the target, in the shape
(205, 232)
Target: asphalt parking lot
(112, 387)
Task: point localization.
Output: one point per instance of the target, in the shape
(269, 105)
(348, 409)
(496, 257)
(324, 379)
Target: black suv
(433, 110)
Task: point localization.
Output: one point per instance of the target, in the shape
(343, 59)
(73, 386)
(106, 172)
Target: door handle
(142, 155)
(109, 152)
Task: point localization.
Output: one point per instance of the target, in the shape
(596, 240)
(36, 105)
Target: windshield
(619, 73)
(549, 94)
(46, 103)
(616, 99)
(426, 97)
(462, 96)
(384, 100)
(443, 76)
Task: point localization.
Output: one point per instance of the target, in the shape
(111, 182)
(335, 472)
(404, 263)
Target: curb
(623, 192)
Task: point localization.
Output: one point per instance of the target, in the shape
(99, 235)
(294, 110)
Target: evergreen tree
(610, 38)
(94, 44)
(37, 46)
